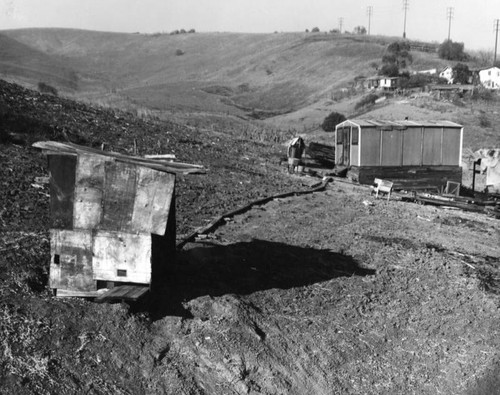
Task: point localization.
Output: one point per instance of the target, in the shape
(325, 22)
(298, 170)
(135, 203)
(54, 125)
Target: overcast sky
(472, 23)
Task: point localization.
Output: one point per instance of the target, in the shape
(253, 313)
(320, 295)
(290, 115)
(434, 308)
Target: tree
(452, 51)
(359, 30)
(397, 57)
(332, 120)
(461, 74)
(315, 30)
(389, 70)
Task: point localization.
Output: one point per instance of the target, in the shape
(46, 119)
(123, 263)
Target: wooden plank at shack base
(122, 257)
(130, 293)
(71, 260)
(68, 293)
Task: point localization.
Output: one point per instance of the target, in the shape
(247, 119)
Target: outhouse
(415, 154)
(112, 218)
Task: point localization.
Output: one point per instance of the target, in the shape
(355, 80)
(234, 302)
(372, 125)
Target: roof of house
(398, 124)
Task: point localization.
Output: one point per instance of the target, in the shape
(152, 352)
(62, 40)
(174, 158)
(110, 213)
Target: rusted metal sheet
(119, 196)
(122, 257)
(152, 201)
(89, 191)
(71, 260)
(62, 186)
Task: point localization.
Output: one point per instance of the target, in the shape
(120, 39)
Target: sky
(473, 21)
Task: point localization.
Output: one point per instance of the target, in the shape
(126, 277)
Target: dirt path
(322, 294)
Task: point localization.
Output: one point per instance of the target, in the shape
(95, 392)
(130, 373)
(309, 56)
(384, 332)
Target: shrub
(315, 30)
(179, 52)
(452, 51)
(46, 88)
(332, 120)
(192, 31)
(484, 121)
(461, 74)
(368, 100)
(482, 93)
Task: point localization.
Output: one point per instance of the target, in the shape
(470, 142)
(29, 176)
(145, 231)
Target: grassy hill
(279, 73)
(27, 64)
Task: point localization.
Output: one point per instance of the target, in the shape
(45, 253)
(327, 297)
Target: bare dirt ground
(333, 292)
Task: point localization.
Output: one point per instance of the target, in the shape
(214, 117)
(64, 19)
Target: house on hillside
(490, 77)
(372, 82)
(411, 154)
(428, 71)
(389, 83)
(447, 74)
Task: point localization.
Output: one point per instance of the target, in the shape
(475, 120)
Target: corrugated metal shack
(413, 154)
(113, 218)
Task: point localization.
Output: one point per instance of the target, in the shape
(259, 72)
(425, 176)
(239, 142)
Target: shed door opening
(344, 145)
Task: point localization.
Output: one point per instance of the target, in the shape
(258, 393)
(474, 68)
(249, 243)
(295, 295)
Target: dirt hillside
(328, 293)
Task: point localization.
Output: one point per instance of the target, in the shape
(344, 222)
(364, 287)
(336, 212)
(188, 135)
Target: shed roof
(398, 124)
(74, 149)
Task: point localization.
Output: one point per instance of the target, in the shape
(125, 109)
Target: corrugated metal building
(411, 153)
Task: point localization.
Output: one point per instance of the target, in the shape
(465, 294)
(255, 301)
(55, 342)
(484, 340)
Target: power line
(406, 5)
(496, 23)
(341, 21)
(369, 11)
(449, 15)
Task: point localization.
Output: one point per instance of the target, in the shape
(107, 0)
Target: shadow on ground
(243, 268)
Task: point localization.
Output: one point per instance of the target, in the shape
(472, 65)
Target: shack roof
(74, 149)
(398, 124)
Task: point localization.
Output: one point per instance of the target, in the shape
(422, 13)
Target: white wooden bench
(382, 186)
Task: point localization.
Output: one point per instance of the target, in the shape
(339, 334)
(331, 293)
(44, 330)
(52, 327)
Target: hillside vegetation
(279, 73)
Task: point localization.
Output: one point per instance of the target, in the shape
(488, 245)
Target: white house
(447, 73)
(389, 83)
(490, 77)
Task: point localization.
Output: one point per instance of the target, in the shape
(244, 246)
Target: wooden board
(152, 200)
(62, 186)
(129, 293)
(89, 191)
(405, 177)
(71, 260)
(119, 195)
(122, 257)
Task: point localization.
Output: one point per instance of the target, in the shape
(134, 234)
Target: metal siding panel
(62, 186)
(432, 146)
(115, 251)
(89, 191)
(391, 148)
(412, 147)
(71, 260)
(451, 146)
(119, 195)
(370, 147)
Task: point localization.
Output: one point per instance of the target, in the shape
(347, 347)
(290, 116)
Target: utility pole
(369, 11)
(341, 21)
(495, 26)
(449, 15)
(406, 5)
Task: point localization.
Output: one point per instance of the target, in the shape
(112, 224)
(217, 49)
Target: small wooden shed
(112, 218)
(410, 153)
